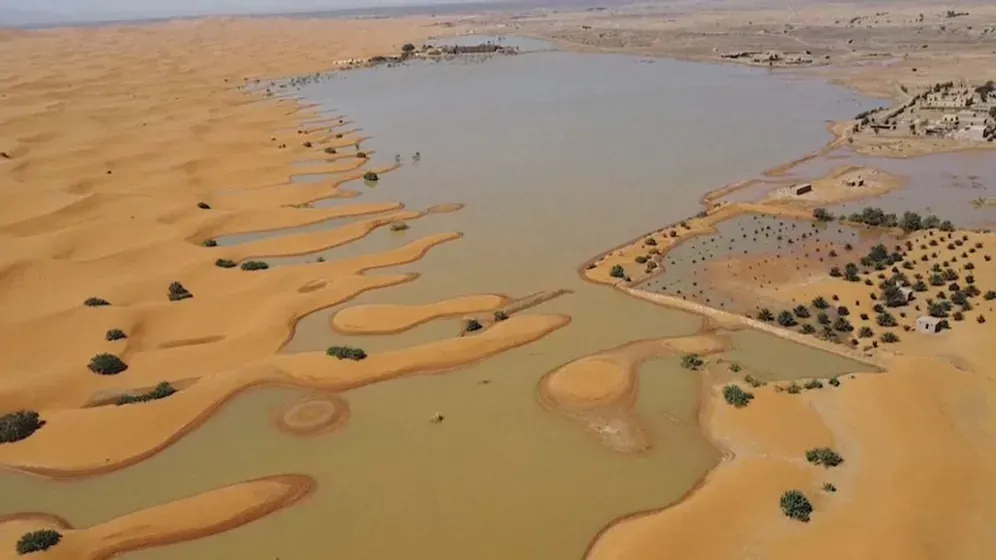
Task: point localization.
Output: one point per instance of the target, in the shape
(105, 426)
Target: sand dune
(190, 518)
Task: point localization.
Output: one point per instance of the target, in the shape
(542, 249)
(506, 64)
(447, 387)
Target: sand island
(231, 308)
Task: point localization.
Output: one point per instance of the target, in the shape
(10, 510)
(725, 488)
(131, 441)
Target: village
(959, 112)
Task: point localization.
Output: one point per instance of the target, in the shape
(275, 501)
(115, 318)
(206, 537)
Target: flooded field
(556, 156)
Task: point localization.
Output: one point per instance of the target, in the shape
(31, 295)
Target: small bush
(617, 271)
(765, 315)
(209, 243)
(808, 329)
(361, 155)
(958, 316)
(735, 396)
(329, 150)
(472, 325)
(37, 541)
(834, 382)
(824, 456)
(203, 205)
(107, 364)
(753, 381)
(865, 332)
(735, 367)
(500, 316)
(161, 391)
(178, 293)
(399, 226)
(115, 334)
(801, 311)
(96, 302)
(254, 265)
(889, 337)
(794, 504)
(19, 425)
(793, 388)
(651, 241)
(813, 384)
(371, 176)
(692, 361)
(346, 353)
(225, 263)
(786, 319)
(640, 259)
(827, 487)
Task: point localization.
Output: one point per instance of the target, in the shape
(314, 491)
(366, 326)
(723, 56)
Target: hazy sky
(150, 8)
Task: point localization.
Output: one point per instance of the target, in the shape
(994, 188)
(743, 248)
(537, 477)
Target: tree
(161, 391)
(819, 302)
(786, 319)
(938, 309)
(36, 541)
(911, 221)
(735, 396)
(794, 504)
(801, 311)
(824, 456)
(765, 315)
(893, 296)
(107, 364)
(617, 271)
(851, 272)
(19, 425)
(822, 215)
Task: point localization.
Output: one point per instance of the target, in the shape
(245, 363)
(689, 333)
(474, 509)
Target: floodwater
(558, 157)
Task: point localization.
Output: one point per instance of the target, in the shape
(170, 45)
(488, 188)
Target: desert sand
(127, 151)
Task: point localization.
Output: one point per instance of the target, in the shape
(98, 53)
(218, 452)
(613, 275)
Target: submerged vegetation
(161, 391)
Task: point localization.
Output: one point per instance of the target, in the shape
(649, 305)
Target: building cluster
(946, 111)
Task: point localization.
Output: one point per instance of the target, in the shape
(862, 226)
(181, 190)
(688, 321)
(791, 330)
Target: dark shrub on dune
(472, 325)
(329, 150)
(500, 316)
(370, 176)
(890, 337)
(209, 243)
(361, 155)
(824, 456)
(37, 541)
(735, 396)
(203, 205)
(765, 315)
(794, 504)
(96, 302)
(691, 361)
(107, 364)
(115, 334)
(178, 293)
(786, 319)
(161, 391)
(225, 263)
(19, 425)
(617, 271)
(254, 265)
(346, 353)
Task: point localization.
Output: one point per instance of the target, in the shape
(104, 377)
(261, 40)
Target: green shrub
(795, 505)
(765, 315)
(254, 265)
(617, 271)
(753, 381)
(107, 364)
(889, 337)
(161, 391)
(651, 241)
(19, 425)
(36, 541)
(370, 176)
(329, 150)
(827, 487)
(808, 329)
(178, 293)
(407, 48)
(96, 302)
(692, 361)
(801, 311)
(500, 316)
(115, 334)
(640, 259)
(472, 325)
(786, 319)
(225, 263)
(209, 243)
(813, 384)
(735, 396)
(834, 382)
(885, 319)
(735, 367)
(361, 155)
(824, 456)
(793, 388)
(822, 215)
(346, 353)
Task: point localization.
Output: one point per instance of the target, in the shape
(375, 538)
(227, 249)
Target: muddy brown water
(558, 156)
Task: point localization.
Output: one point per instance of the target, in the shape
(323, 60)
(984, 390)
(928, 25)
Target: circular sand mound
(313, 416)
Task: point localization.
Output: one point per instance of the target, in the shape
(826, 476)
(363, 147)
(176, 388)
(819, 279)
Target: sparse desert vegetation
(37, 541)
(795, 505)
(735, 396)
(254, 265)
(346, 353)
(177, 292)
(107, 364)
(161, 391)
(15, 426)
(114, 334)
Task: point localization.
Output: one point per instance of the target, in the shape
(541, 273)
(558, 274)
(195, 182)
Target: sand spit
(599, 390)
(889, 500)
(187, 519)
(313, 416)
(388, 318)
(63, 448)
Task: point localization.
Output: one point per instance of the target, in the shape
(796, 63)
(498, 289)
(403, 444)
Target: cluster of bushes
(178, 293)
(795, 505)
(692, 362)
(37, 541)
(161, 391)
(346, 353)
(19, 425)
(823, 215)
(910, 221)
(95, 302)
(107, 364)
(824, 456)
(735, 396)
(254, 265)
(114, 334)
